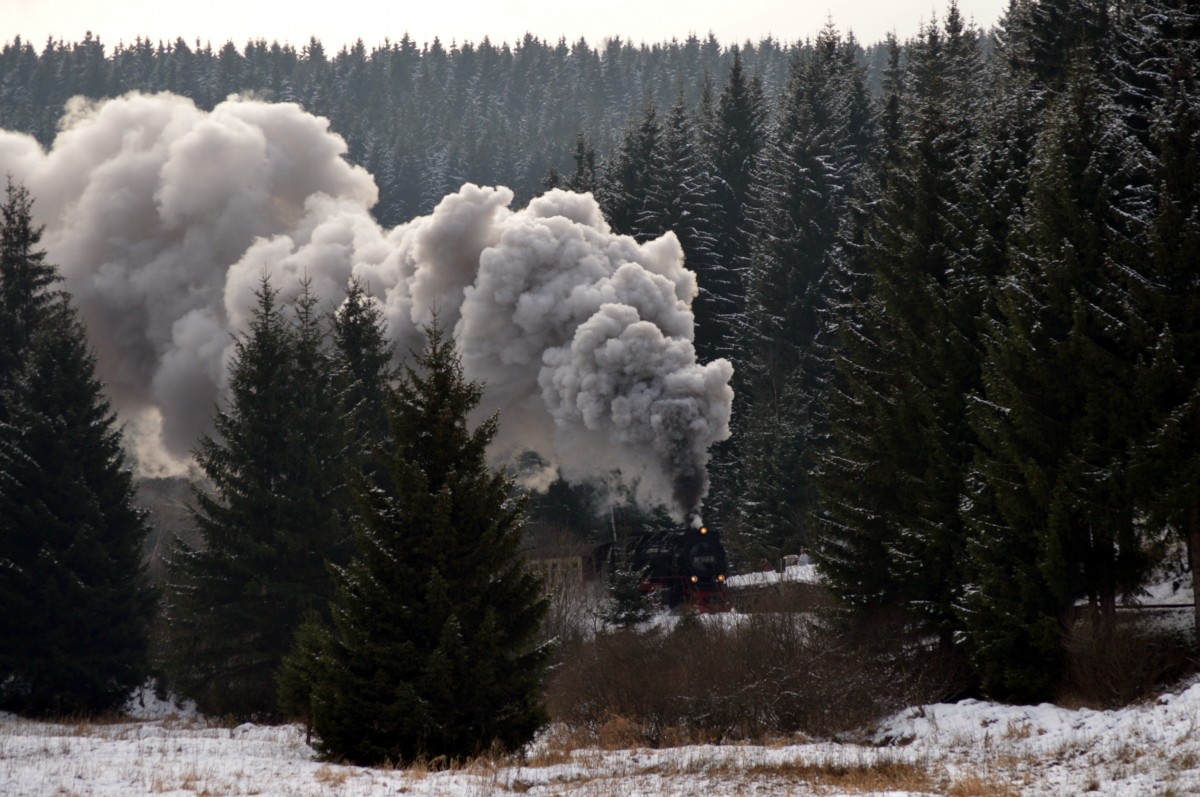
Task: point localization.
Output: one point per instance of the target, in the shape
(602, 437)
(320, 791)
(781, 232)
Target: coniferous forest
(958, 278)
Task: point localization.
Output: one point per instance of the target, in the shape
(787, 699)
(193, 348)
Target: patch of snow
(1171, 589)
(1144, 749)
(804, 574)
(145, 704)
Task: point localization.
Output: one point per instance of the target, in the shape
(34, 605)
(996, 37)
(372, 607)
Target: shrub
(748, 677)
(1114, 662)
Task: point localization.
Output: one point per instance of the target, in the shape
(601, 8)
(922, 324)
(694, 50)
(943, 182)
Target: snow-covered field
(969, 748)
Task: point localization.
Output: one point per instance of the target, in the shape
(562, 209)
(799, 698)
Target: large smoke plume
(163, 218)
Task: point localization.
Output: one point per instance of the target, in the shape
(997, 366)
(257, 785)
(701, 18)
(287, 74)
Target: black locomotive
(683, 568)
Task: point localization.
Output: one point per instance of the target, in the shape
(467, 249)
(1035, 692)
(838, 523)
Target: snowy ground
(804, 574)
(968, 748)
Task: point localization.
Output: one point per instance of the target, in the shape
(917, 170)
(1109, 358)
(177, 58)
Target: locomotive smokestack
(162, 218)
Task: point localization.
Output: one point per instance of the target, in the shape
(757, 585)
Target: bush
(1117, 661)
(748, 677)
(572, 615)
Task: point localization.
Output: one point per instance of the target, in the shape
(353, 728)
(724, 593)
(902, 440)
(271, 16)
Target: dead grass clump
(330, 776)
(83, 725)
(855, 777)
(982, 786)
(1018, 729)
(619, 733)
(190, 781)
(1184, 760)
(558, 745)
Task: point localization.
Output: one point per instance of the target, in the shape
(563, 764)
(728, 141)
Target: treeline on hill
(962, 308)
(423, 118)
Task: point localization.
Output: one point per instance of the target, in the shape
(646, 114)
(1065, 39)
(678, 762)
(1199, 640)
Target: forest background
(955, 275)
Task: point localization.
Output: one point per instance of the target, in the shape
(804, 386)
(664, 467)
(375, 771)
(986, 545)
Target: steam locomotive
(683, 568)
(679, 567)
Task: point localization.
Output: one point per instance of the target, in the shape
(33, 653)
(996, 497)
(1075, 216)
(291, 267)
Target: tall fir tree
(25, 291)
(271, 515)
(734, 133)
(802, 182)
(1168, 461)
(900, 443)
(75, 600)
(628, 173)
(431, 651)
(1051, 507)
(363, 371)
(737, 138)
(583, 178)
(680, 198)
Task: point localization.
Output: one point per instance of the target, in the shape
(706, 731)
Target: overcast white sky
(342, 21)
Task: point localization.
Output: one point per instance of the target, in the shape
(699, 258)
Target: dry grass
(863, 777)
(1018, 730)
(561, 744)
(190, 781)
(329, 776)
(619, 732)
(982, 786)
(1185, 760)
(868, 773)
(611, 759)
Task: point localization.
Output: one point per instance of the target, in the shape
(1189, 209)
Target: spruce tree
(1051, 504)
(583, 179)
(26, 279)
(736, 140)
(733, 134)
(907, 353)
(75, 601)
(271, 515)
(802, 182)
(363, 371)
(1168, 460)
(431, 650)
(680, 198)
(628, 174)
(626, 605)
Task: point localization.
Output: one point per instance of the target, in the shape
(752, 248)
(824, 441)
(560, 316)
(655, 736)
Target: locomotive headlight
(704, 529)
(695, 579)
(721, 578)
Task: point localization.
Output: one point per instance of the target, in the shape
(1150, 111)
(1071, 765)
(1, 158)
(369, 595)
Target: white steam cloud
(163, 217)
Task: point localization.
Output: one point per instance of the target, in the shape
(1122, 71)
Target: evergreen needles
(431, 650)
(75, 603)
